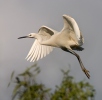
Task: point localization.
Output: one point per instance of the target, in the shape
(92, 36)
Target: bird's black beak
(23, 37)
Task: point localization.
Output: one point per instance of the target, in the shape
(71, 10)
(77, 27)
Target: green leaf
(12, 74)
(16, 88)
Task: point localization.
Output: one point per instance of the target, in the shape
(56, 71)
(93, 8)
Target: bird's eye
(30, 35)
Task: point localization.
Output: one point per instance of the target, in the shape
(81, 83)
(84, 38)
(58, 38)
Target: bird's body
(68, 39)
(59, 40)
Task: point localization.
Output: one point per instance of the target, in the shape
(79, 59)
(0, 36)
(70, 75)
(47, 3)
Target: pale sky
(21, 17)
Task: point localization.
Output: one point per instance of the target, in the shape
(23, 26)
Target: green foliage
(70, 90)
(27, 88)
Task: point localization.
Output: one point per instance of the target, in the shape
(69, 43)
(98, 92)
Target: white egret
(68, 39)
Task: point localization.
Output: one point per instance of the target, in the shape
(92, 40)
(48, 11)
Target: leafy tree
(71, 90)
(27, 88)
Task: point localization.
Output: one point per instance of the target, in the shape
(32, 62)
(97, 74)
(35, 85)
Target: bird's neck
(38, 37)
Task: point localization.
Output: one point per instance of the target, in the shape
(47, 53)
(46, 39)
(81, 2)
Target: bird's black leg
(79, 59)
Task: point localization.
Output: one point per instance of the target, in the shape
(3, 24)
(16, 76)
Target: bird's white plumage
(70, 23)
(37, 50)
(68, 39)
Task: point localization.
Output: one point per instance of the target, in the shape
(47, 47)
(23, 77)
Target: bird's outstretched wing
(44, 30)
(37, 50)
(70, 24)
(67, 23)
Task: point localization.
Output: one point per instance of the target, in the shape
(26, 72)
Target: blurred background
(21, 17)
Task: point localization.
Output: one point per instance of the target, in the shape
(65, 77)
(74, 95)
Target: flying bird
(68, 39)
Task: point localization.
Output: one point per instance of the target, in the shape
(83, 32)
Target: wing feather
(30, 50)
(70, 23)
(33, 48)
(34, 53)
(37, 50)
(44, 50)
(41, 51)
(47, 50)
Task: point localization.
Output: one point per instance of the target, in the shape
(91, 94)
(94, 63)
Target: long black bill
(23, 37)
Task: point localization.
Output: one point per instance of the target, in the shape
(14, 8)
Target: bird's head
(31, 35)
